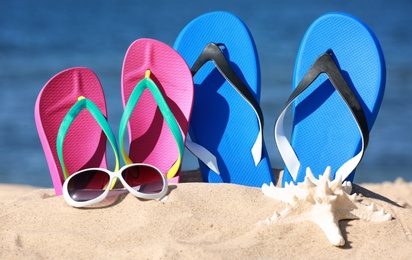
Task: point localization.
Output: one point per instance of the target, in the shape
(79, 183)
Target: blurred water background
(40, 38)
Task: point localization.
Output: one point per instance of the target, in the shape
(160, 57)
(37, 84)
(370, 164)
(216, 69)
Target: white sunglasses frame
(113, 175)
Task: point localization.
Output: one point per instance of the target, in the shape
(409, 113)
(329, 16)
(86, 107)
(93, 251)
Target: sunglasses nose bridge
(122, 179)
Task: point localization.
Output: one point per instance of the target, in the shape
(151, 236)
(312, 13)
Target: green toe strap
(147, 83)
(84, 103)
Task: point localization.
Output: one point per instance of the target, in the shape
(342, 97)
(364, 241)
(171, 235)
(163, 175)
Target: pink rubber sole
(85, 143)
(150, 138)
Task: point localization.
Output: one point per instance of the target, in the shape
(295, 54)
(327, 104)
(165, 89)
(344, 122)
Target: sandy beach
(197, 221)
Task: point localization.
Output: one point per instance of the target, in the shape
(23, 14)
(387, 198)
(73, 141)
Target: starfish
(323, 202)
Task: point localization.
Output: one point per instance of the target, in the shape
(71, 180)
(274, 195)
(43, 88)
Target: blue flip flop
(227, 121)
(338, 87)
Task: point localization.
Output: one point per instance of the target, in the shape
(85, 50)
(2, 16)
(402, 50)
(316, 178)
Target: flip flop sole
(223, 122)
(85, 143)
(151, 140)
(324, 131)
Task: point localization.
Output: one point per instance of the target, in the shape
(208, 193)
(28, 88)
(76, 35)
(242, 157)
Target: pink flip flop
(151, 140)
(85, 143)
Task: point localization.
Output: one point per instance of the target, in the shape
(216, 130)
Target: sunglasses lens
(87, 185)
(144, 179)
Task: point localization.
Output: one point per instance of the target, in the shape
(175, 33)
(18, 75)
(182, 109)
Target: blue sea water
(40, 38)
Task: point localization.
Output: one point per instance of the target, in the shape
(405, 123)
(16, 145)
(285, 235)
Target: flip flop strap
(83, 103)
(324, 64)
(147, 83)
(212, 52)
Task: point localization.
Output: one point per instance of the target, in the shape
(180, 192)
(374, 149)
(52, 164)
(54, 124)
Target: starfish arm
(329, 225)
(370, 213)
(277, 193)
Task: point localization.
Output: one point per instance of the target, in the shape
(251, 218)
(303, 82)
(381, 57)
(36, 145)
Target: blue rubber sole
(324, 131)
(222, 121)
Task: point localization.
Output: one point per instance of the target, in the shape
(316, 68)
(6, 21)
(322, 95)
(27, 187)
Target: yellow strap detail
(126, 157)
(173, 170)
(147, 75)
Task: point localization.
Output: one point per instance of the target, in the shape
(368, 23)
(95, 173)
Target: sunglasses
(91, 186)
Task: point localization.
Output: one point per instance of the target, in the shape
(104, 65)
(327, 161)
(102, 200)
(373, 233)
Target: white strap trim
(204, 155)
(285, 149)
(291, 160)
(257, 146)
(347, 168)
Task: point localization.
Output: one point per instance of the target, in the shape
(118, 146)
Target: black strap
(326, 64)
(212, 52)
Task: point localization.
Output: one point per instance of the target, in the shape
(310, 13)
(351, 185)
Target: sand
(197, 221)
